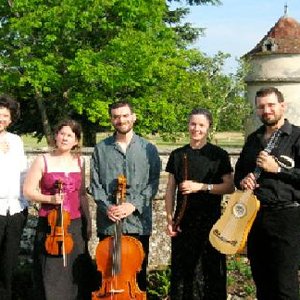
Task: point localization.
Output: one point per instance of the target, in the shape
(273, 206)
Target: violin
(59, 241)
(118, 259)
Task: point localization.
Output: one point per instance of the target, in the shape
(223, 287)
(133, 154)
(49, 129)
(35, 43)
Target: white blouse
(13, 165)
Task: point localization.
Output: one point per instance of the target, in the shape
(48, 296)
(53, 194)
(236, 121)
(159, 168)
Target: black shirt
(274, 188)
(206, 165)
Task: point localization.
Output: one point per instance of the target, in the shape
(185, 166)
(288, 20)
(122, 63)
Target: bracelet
(279, 170)
(210, 187)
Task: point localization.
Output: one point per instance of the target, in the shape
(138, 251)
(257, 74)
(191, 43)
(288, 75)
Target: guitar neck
(270, 146)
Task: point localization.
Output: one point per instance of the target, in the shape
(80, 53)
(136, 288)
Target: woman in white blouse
(13, 207)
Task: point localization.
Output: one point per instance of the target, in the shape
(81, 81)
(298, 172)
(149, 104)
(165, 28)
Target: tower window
(269, 45)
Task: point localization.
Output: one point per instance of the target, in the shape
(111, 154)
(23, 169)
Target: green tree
(198, 2)
(207, 85)
(75, 57)
(223, 94)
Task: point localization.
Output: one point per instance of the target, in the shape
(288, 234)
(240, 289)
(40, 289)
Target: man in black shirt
(274, 239)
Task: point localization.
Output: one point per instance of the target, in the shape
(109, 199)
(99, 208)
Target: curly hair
(12, 105)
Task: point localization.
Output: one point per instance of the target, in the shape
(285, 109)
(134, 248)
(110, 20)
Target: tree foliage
(75, 57)
(199, 2)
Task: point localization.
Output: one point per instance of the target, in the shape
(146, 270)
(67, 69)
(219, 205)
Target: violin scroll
(59, 186)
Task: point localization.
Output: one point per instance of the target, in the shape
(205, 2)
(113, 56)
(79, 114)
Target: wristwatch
(210, 187)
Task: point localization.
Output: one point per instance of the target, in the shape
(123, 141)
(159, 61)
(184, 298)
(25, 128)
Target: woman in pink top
(53, 275)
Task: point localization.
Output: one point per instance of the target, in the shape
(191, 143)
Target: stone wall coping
(89, 150)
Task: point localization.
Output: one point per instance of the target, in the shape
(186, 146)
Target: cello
(118, 259)
(59, 241)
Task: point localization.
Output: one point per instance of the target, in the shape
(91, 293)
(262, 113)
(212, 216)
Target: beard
(120, 130)
(270, 122)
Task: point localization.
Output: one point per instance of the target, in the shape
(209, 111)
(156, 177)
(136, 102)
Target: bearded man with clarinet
(274, 239)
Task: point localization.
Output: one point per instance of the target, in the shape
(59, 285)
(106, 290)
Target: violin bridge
(117, 291)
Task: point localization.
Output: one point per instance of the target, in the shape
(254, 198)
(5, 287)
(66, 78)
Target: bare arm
(226, 187)
(169, 204)
(31, 187)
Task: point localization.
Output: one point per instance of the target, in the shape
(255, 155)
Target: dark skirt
(51, 279)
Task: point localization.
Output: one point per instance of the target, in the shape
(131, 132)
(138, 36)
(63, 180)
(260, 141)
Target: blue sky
(236, 26)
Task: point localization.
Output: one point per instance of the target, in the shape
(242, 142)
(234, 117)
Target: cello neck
(120, 198)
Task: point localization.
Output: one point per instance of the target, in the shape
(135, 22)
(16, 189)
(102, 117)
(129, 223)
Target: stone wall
(160, 242)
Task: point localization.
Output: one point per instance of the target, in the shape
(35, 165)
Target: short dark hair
(74, 125)
(267, 91)
(120, 103)
(202, 111)
(12, 105)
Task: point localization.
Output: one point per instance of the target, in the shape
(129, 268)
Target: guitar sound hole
(239, 210)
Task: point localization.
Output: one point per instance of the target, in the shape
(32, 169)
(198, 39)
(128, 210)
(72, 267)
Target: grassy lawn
(223, 139)
(31, 142)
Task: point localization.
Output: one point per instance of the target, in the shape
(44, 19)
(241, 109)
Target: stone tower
(275, 61)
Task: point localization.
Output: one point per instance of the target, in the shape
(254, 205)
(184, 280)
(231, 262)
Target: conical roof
(282, 38)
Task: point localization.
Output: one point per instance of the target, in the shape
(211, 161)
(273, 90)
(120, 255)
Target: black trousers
(142, 275)
(274, 253)
(11, 229)
(198, 271)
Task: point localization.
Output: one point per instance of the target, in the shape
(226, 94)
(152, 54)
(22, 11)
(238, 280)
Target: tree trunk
(89, 134)
(44, 117)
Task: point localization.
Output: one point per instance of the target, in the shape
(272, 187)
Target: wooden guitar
(229, 234)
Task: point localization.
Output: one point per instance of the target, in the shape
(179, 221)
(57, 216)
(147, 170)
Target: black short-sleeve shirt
(206, 165)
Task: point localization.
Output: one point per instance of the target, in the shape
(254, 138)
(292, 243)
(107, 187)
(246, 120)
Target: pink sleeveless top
(71, 189)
